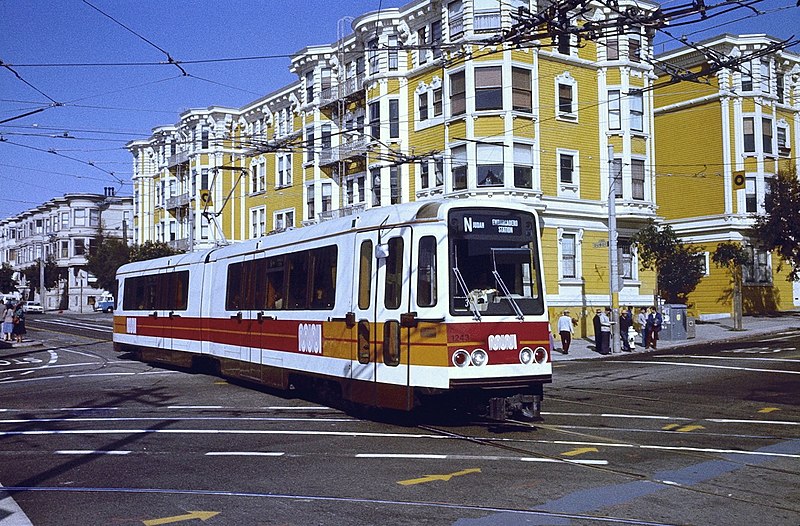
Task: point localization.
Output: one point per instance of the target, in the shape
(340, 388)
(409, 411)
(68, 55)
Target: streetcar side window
(274, 277)
(391, 343)
(297, 280)
(365, 275)
(394, 274)
(323, 278)
(233, 294)
(168, 291)
(426, 272)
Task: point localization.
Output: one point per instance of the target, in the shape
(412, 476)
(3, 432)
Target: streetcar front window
(494, 265)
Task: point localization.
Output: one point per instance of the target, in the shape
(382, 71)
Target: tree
(732, 256)
(152, 250)
(107, 255)
(779, 228)
(52, 274)
(7, 281)
(678, 267)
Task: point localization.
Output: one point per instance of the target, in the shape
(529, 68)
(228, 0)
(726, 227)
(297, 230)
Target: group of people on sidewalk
(647, 323)
(13, 321)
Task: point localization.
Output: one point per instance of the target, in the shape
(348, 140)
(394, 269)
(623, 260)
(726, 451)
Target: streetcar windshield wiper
(471, 301)
(513, 252)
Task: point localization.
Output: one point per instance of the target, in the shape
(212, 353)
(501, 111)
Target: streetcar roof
(385, 216)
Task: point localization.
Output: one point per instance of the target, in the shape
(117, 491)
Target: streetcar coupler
(523, 407)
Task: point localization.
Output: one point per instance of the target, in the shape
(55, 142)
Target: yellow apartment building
(743, 122)
(419, 102)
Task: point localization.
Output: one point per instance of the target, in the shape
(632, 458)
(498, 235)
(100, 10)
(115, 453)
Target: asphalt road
(90, 437)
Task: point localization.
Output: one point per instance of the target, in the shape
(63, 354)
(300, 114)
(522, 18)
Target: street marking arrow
(768, 410)
(192, 515)
(681, 429)
(670, 427)
(580, 451)
(432, 478)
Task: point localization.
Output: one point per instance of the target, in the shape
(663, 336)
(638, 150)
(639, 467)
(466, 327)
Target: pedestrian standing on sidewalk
(642, 319)
(565, 331)
(8, 321)
(605, 331)
(657, 320)
(596, 324)
(625, 323)
(19, 322)
(648, 328)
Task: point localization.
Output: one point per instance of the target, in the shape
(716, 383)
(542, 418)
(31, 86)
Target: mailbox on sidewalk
(674, 324)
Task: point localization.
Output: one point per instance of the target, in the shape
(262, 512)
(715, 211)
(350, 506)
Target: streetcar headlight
(461, 358)
(526, 356)
(479, 357)
(540, 355)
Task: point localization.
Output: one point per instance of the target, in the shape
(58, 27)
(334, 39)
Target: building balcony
(346, 89)
(342, 212)
(178, 158)
(353, 148)
(178, 201)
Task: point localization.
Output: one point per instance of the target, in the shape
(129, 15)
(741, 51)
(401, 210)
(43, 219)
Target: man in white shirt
(565, 331)
(605, 332)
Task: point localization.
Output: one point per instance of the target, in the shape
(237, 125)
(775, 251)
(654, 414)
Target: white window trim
(281, 214)
(566, 79)
(578, 233)
(569, 189)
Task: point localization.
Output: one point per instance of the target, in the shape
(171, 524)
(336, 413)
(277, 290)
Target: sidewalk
(708, 332)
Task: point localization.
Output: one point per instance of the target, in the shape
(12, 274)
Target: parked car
(34, 307)
(105, 303)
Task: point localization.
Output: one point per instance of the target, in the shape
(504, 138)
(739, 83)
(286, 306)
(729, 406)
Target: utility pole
(613, 271)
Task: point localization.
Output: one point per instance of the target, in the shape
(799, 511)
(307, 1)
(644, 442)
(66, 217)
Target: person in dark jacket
(625, 323)
(597, 339)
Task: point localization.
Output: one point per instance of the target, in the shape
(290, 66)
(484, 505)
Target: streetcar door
(382, 297)
(362, 364)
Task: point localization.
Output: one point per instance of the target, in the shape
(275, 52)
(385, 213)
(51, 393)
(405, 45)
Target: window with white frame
(373, 58)
(521, 90)
(766, 135)
(636, 110)
(424, 175)
(764, 76)
(489, 164)
(616, 171)
(422, 43)
(568, 172)
(259, 177)
(395, 189)
(749, 134)
(523, 166)
(80, 217)
(612, 47)
(436, 39)
(94, 217)
(625, 265)
(634, 48)
(309, 87)
(455, 18)
(757, 271)
(569, 256)
(566, 97)
(458, 93)
(486, 15)
(489, 88)
(394, 53)
(422, 105)
(375, 120)
(258, 222)
(703, 258)
(782, 134)
(327, 197)
(394, 118)
(750, 195)
(637, 179)
(283, 177)
(375, 176)
(437, 102)
(458, 163)
(310, 144)
(325, 137)
(283, 219)
(780, 86)
(310, 202)
(614, 110)
(746, 69)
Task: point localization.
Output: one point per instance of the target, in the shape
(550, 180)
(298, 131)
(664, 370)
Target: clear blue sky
(106, 107)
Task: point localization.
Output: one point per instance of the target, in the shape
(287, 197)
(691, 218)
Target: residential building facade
(742, 126)
(64, 228)
(413, 104)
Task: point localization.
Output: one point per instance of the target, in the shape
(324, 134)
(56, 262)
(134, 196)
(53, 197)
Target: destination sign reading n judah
(491, 225)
